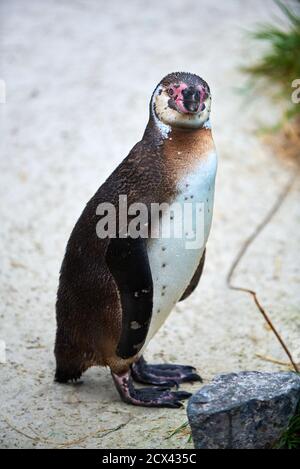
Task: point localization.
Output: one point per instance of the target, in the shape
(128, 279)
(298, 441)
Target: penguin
(115, 292)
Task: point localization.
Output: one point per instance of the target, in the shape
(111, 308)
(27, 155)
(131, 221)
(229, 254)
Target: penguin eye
(170, 92)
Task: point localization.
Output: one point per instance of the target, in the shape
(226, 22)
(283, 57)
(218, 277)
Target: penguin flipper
(127, 259)
(195, 279)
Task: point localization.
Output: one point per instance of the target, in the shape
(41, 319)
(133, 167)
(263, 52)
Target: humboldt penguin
(116, 291)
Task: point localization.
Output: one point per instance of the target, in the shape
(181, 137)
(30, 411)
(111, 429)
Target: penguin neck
(177, 154)
(180, 140)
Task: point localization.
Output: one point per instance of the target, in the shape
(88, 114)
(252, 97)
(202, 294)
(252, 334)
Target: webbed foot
(163, 375)
(147, 397)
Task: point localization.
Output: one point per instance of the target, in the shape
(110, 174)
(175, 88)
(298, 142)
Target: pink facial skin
(175, 92)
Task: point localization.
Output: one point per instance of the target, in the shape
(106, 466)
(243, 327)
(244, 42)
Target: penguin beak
(188, 99)
(191, 100)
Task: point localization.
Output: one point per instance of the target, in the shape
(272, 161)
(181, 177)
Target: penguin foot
(163, 375)
(147, 397)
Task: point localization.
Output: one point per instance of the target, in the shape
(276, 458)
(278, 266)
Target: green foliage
(291, 437)
(279, 66)
(183, 429)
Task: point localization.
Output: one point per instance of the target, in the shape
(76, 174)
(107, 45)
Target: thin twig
(273, 360)
(34, 438)
(274, 209)
(57, 444)
(108, 432)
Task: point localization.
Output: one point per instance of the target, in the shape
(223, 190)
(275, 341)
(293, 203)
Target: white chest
(173, 259)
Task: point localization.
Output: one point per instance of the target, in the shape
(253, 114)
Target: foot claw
(189, 378)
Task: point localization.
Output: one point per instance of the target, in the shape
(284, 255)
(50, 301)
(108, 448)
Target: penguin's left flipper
(127, 259)
(195, 279)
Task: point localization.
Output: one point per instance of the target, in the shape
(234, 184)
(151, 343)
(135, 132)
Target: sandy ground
(79, 77)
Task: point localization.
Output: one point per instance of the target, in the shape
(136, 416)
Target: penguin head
(181, 100)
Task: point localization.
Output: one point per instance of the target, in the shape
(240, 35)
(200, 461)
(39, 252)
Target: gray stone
(243, 410)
